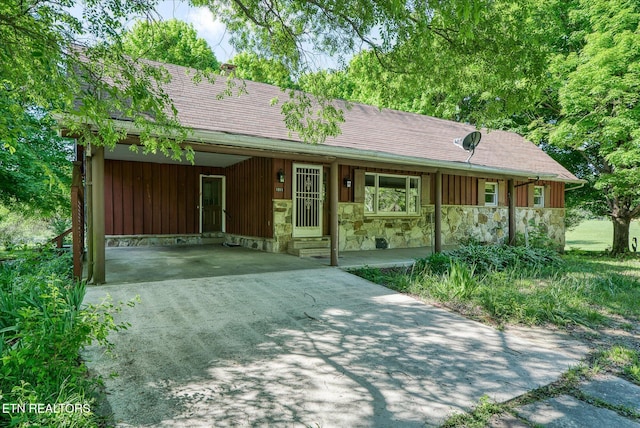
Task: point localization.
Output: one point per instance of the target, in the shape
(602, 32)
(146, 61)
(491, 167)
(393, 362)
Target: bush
(43, 326)
(492, 258)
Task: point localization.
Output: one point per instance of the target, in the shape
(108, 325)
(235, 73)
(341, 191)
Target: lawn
(595, 235)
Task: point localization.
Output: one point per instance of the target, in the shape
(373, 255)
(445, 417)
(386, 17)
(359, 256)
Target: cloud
(212, 30)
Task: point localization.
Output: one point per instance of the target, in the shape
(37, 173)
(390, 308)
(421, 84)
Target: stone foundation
(152, 240)
(460, 223)
(491, 224)
(254, 242)
(358, 232)
(549, 221)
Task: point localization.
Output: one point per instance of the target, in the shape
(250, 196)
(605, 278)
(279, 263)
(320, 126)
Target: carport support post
(334, 189)
(438, 215)
(511, 197)
(97, 166)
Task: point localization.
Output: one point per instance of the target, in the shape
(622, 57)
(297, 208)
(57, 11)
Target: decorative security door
(307, 200)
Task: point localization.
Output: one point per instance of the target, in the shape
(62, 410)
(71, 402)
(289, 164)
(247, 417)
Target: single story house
(391, 179)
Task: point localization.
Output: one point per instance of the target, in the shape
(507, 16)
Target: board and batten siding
(461, 190)
(143, 198)
(249, 198)
(152, 199)
(457, 189)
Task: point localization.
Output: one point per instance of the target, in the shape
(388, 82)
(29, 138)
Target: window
(538, 196)
(491, 194)
(391, 194)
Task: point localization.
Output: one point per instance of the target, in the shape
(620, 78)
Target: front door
(212, 204)
(307, 200)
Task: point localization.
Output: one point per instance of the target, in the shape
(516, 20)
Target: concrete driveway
(308, 347)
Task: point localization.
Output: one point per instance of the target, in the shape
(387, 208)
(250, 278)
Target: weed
(623, 358)
(460, 284)
(523, 285)
(479, 417)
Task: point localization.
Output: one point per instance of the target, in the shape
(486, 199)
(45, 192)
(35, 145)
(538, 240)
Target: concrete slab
(569, 412)
(312, 347)
(147, 264)
(614, 390)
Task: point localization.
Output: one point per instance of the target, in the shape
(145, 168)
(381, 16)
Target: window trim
(495, 193)
(541, 204)
(407, 178)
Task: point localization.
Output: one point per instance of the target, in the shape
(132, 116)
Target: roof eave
(324, 150)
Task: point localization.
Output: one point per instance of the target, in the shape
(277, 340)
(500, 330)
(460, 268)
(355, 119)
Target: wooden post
(511, 196)
(97, 166)
(77, 220)
(334, 187)
(438, 215)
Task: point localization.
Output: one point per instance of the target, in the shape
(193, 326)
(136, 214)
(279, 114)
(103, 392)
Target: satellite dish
(469, 143)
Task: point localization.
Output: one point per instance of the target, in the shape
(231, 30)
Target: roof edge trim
(262, 143)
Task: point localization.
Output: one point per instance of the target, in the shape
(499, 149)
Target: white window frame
(408, 179)
(494, 193)
(540, 203)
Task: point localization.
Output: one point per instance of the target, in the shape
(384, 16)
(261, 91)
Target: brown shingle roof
(365, 127)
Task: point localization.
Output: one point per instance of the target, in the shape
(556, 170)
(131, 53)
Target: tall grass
(523, 285)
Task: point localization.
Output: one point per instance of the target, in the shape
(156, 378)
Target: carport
(146, 264)
(299, 343)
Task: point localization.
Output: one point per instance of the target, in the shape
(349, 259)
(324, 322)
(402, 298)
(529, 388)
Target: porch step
(301, 243)
(310, 247)
(311, 252)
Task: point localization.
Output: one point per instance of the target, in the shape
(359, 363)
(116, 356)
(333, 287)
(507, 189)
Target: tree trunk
(620, 235)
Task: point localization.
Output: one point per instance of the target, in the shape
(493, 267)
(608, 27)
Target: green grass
(595, 235)
(582, 290)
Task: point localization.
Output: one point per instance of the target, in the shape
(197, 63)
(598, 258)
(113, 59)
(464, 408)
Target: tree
(454, 49)
(172, 41)
(35, 175)
(78, 70)
(600, 106)
(253, 67)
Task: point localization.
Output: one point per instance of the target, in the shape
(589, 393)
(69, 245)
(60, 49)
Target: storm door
(307, 200)
(211, 204)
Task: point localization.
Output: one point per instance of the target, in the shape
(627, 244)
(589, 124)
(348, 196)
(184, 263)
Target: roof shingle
(365, 128)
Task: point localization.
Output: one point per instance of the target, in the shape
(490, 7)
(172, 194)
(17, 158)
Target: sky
(210, 29)
(214, 31)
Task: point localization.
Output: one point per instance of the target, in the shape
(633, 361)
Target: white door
(307, 200)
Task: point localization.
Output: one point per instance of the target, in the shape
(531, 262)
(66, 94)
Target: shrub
(43, 326)
(491, 258)
(437, 263)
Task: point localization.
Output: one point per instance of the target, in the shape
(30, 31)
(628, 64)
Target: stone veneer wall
(151, 240)
(491, 224)
(253, 242)
(358, 232)
(459, 223)
(282, 224)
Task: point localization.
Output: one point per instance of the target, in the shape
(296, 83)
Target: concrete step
(310, 252)
(302, 243)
